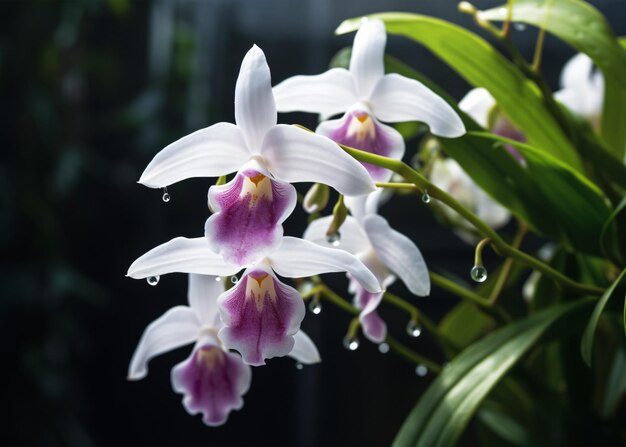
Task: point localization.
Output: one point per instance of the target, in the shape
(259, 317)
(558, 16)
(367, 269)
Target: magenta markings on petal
(212, 382)
(249, 212)
(374, 328)
(260, 315)
(360, 130)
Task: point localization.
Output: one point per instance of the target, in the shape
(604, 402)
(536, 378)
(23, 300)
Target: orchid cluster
(240, 311)
(259, 317)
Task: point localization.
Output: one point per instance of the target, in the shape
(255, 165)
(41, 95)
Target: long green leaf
(586, 346)
(575, 204)
(613, 112)
(575, 22)
(613, 236)
(444, 410)
(482, 66)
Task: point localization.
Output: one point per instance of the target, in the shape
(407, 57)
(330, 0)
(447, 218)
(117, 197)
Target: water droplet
(315, 307)
(478, 273)
(421, 370)
(218, 278)
(166, 196)
(425, 197)
(153, 280)
(299, 366)
(351, 343)
(413, 328)
(334, 239)
(520, 26)
(383, 348)
(234, 279)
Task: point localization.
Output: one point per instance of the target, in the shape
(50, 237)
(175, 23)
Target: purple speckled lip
(212, 382)
(374, 328)
(260, 316)
(360, 130)
(249, 211)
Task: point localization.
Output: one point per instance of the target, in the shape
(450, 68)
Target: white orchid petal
(255, 111)
(295, 155)
(216, 150)
(297, 258)
(353, 239)
(202, 296)
(329, 93)
(399, 254)
(175, 328)
(362, 206)
(368, 51)
(577, 71)
(181, 255)
(477, 103)
(304, 350)
(396, 99)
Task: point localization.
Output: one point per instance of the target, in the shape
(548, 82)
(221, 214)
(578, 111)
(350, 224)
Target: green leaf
(567, 199)
(464, 324)
(495, 418)
(482, 66)
(613, 236)
(577, 23)
(614, 109)
(444, 410)
(615, 384)
(586, 346)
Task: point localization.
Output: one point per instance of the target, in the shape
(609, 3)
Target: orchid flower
(212, 380)
(448, 175)
(582, 88)
(366, 95)
(385, 251)
(260, 314)
(250, 209)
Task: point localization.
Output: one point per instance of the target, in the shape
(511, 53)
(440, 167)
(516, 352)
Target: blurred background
(90, 91)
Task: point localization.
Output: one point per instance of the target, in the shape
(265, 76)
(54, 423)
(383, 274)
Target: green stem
(507, 265)
(413, 312)
(478, 253)
(502, 248)
(411, 355)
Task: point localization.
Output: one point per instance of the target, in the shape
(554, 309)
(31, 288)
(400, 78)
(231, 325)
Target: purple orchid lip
(249, 213)
(374, 328)
(212, 381)
(260, 316)
(362, 131)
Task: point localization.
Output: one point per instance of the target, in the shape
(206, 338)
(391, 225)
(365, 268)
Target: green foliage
(443, 412)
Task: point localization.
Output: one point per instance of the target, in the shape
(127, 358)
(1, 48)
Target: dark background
(89, 92)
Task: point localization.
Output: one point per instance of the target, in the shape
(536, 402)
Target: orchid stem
(506, 27)
(395, 345)
(478, 253)
(397, 186)
(538, 50)
(507, 265)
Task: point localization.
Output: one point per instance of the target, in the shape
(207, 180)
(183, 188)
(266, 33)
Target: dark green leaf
(444, 410)
(575, 22)
(613, 112)
(613, 237)
(478, 62)
(586, 346)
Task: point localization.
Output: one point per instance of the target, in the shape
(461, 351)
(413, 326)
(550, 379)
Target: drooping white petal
(582, 88)
(576, 71)
(329, 93)
(202, 295)
(216, 150)
(181, 255)
(396, 99)
(295, 155)
(175, 328)
(255, 111)
(362, 206)
(304, 350)
(368, 50)
(352, 237)
(477, 103)
(297, 258)
(399, 254)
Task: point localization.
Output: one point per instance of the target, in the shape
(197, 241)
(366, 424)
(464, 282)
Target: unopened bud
(316, 198)
(340, 212)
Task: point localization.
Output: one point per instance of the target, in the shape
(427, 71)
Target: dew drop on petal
(478, 273)
(383, 348)
(421, 370)
(153, 280)
(351, 343)
(315, 307)
(334, 239)
(234, 279)
(413, 328)
(299, 366)
(218, 278)
(425, 197)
